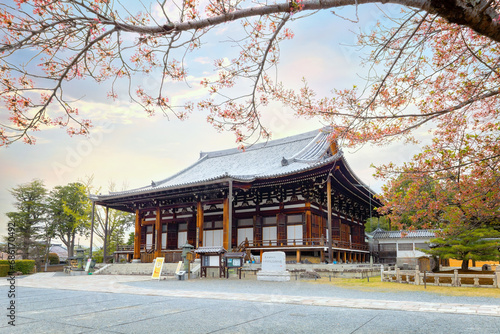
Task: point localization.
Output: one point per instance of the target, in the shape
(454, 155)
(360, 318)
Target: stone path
(118, 284)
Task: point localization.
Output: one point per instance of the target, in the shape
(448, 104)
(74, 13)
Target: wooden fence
(440, 279)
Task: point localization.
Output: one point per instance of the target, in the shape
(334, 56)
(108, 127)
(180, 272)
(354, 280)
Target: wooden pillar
(105, 251)
(345, 257)
(298, 255)
(329, 201)
(322, 252)
(350, 257)
(199, 225)
(227, 219)
(158, 232)
(92, 229)
(338, 256)
(261, 252)
(137, 236)
(308, 222)
(225, 225)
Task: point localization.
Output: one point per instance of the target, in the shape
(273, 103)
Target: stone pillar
(417, 275)
(456, 280)
(497, 275)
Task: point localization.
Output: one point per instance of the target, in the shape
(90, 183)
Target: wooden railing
(299, 243)
(466, 280)
(125, 248)
(171, 256)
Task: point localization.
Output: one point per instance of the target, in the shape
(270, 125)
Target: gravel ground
(308, 288)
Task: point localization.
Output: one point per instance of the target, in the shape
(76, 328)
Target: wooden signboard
(157, 268)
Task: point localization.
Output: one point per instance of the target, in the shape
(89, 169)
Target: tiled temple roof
(381, 234)
(264, 160)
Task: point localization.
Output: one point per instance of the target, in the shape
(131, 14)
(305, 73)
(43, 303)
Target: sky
(130, 149)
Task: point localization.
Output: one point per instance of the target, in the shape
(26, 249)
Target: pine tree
(30, 215)
(470, 244)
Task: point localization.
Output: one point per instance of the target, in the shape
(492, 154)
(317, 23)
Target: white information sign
(87, 267)
(274, 261)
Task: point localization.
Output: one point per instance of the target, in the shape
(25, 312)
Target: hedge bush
(24, 266)
(53, 258)
(4, 270)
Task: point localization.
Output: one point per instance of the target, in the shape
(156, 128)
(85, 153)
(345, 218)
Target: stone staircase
(136, 269)
(144, 269)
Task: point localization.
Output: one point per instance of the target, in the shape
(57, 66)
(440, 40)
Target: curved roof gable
(270, 159)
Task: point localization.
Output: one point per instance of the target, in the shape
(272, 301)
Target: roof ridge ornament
(284, 162)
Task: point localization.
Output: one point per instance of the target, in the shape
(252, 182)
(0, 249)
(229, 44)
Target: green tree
(29, 216)
(377, 222)
(131, 237)
(469, 244)
(118, 221)
(118, 224)
(69, 210)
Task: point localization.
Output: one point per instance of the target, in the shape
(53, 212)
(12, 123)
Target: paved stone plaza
(51, 303)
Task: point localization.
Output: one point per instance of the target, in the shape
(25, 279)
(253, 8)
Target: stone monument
(273, 267)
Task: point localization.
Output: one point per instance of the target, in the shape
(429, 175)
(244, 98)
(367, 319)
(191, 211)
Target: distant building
(61, 251)
(5, 256)
(400, 247)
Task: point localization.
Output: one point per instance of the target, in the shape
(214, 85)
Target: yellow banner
(157, 268)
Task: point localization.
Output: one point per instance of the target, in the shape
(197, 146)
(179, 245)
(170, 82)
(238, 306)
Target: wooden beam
(230, 218)
(104, 251)
(199, 224)
(92, 229)
(137, 236)
(308, 220)
(158, 232)
(227, 218)
(225, 224)
(329, 201)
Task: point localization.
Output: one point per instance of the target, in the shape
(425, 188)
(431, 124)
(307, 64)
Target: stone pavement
(50, 303)
(115, 284)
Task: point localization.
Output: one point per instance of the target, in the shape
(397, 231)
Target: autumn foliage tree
(436, 65)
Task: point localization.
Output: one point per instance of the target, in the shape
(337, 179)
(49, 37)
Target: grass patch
(376, 285)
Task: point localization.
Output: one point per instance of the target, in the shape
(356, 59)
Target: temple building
(295, 194)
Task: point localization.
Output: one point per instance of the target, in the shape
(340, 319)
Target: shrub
(53, 258)
(24, 266)
(4, 270)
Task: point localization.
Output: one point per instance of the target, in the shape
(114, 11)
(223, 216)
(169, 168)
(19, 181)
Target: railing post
(417, 275)
(398, 275)
(456, 278)
(381, 273)
(497, 275)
